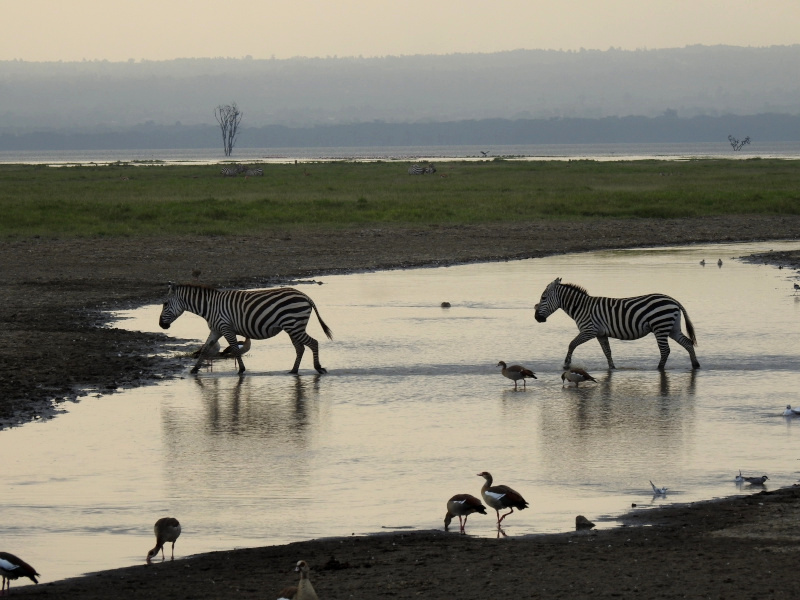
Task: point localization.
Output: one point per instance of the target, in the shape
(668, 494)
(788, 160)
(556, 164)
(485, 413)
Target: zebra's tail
(689, 326)
(327, 329)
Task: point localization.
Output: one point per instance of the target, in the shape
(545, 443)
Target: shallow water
(413, 408)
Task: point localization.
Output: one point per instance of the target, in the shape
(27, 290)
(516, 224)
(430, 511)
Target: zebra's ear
(557, 281)
(171, 286)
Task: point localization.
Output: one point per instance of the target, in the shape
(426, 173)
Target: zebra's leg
(687, 344)
(603, 339)
(581, 338)
(300, 342)
(210, 341)
(663, 346)
(234, 344)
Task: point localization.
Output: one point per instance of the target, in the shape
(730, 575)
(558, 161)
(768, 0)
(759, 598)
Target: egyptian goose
(167, 529)
(12, 567)
(462, 505)
(515, 373)
(576, 376)
(756, 480)
(501, 496)
(244, 348)
(303, 590)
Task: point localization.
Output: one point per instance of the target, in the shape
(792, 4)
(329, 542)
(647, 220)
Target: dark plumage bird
(576, 376)
(303, 590)
(501, 497)
(462, 505)
(167, 529)
(516, 372)
(12, 567)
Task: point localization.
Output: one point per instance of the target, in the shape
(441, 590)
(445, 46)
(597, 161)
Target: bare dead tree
(229, 117)
(736, 144)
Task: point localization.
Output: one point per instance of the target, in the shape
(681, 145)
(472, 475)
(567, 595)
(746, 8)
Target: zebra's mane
(576, 288)
(201, 286)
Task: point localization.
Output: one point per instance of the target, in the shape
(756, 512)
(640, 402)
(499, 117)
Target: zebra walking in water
(621, 318)
(420, 170)
(256, 314)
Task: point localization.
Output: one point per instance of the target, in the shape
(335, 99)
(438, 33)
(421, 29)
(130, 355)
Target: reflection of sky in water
(414, 408)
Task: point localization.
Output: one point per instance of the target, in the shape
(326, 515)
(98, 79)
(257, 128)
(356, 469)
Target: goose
(739, 478)
(167, 529)
(12, 567)
(303, 590)
(462, 505)
(756, 480)
(658, 491)
(244, 348)
(575, 375)
(516, 372)
(703, 263)
(501, 496)
(210, 353)
(791, 412)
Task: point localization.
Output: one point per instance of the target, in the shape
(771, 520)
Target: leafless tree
(736, 144)
(229, 117)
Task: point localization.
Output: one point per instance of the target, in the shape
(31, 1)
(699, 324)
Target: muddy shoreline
(56, 293)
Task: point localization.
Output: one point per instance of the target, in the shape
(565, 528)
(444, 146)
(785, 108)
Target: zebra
(254, 173)
(232, 171)
(621, 318)
(419, 170)
(257, 314)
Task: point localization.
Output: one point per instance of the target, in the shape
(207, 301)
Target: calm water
(413, 408)
(669, 151)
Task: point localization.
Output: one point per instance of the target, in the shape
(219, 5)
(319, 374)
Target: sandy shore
(56, 291)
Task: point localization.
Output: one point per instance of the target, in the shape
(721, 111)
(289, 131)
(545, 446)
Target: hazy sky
(41, 30)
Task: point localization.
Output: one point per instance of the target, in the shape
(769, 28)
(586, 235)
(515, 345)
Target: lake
(414, 407)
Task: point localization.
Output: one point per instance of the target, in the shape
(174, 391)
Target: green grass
(158, 200)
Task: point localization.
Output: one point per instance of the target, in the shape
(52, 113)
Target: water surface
(414, 407)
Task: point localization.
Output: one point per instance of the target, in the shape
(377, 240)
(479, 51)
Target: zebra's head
(172, 308)
(549, 303)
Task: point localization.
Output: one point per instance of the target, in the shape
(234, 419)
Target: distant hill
(485, 132)
(101, 98)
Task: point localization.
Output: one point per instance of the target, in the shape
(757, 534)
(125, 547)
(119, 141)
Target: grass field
(156, 200)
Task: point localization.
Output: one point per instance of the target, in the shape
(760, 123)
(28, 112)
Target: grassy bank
(127, 200)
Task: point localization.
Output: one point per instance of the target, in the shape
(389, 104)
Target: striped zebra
(254, 173)
(232, 171)
(420, 170)
(621, 318)
(257, 314)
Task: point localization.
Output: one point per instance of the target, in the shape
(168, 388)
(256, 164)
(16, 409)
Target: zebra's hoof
(194, 371)
(322, 370)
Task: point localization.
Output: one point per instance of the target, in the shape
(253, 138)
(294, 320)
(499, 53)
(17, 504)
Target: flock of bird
(719, 262)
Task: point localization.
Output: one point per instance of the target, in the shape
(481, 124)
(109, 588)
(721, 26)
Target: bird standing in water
(167, 529)
(516, 372)
(462, 505)
(576, 376)
(501, 496)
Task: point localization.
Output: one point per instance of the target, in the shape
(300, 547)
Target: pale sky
(69, 30)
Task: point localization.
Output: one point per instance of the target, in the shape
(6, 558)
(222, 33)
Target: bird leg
(500, 519)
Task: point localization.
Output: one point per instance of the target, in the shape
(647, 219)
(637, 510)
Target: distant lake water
(603, 152)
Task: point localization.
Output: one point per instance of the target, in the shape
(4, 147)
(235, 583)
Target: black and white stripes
(257, 314)
(420, 170)
(621, 318)
(232, 171)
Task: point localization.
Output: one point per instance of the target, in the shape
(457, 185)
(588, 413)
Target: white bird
(658, 491)
(576, 376)
(303, 590)
(791, 412)
(756, 480)
(739, 478)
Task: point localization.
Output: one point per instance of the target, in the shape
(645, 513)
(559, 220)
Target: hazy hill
(99, 96)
